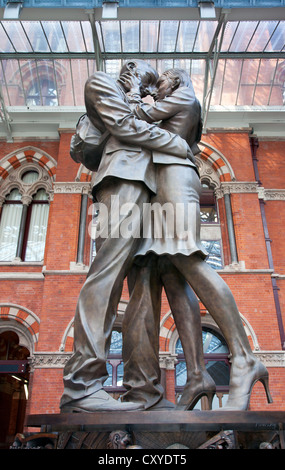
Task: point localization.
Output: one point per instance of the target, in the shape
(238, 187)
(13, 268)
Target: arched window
(216, 357)
(24, 216)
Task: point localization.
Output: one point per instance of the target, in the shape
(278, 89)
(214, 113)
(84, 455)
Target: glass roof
(237, 63)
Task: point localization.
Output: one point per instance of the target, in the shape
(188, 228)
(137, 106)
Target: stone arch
(25, 155)
(83, 174)
(213, 165)
(21, 320)
(68, 336)
(169, 334)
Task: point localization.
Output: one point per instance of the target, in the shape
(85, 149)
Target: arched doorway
(14, 379)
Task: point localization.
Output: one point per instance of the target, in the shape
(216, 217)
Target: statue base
(156, 430)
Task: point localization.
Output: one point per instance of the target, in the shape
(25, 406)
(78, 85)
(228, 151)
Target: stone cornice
(73, 187)
(167, 360)
(233, 187)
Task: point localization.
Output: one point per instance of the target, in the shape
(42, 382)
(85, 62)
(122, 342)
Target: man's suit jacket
(179, 113)
(127, 153)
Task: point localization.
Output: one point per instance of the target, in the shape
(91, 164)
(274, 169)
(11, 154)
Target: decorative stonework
(236, 187)
(274, 195)
(167, 360)
(271, 358)
(72, 188)
(14, 180)
(30, 155)
(48, 360)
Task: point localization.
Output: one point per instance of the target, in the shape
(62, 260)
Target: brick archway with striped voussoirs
(168, 329)
(21, 320)
(27, 155)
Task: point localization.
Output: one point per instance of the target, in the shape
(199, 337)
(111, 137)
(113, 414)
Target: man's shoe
(99, 401)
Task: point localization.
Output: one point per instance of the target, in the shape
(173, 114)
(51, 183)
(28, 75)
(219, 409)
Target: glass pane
(231, 81)
(55, 36)
(181, 374)
(36, 36)
(15, 32)
(64, 80)
(247, 82)
(198, 77)
(111, 36)
(168, 36)
(73, 36)
(213, 343)
(218, 85)
(88, 36)
(37, 229)
(116, 343)
(92, 67)
(262, 35)
(109, 381)
(30, 177)
(46, 88)
(264, 82)
(187, 35)
(149, 36)
(219, 371)
(9, 226)
(120, 374)
(99, 35)
(3, 83)
(277, 40)
(113, 67)
(79, 77)
(208, 215)
(5, 44)
(41, 195)
(205, 35)
(14, 83)
(130, 36)
(29, 76)
(243, 36)
(184, 64)
(229, 33)
(213, 247)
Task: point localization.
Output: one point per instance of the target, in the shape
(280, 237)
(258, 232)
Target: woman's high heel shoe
(194, 390)
(240, 391)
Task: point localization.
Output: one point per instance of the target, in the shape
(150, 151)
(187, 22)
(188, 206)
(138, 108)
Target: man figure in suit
(126, 171)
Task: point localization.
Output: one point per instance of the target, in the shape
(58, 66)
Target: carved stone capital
(167, 360)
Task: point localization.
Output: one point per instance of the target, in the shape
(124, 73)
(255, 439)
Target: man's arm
(102, 97)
